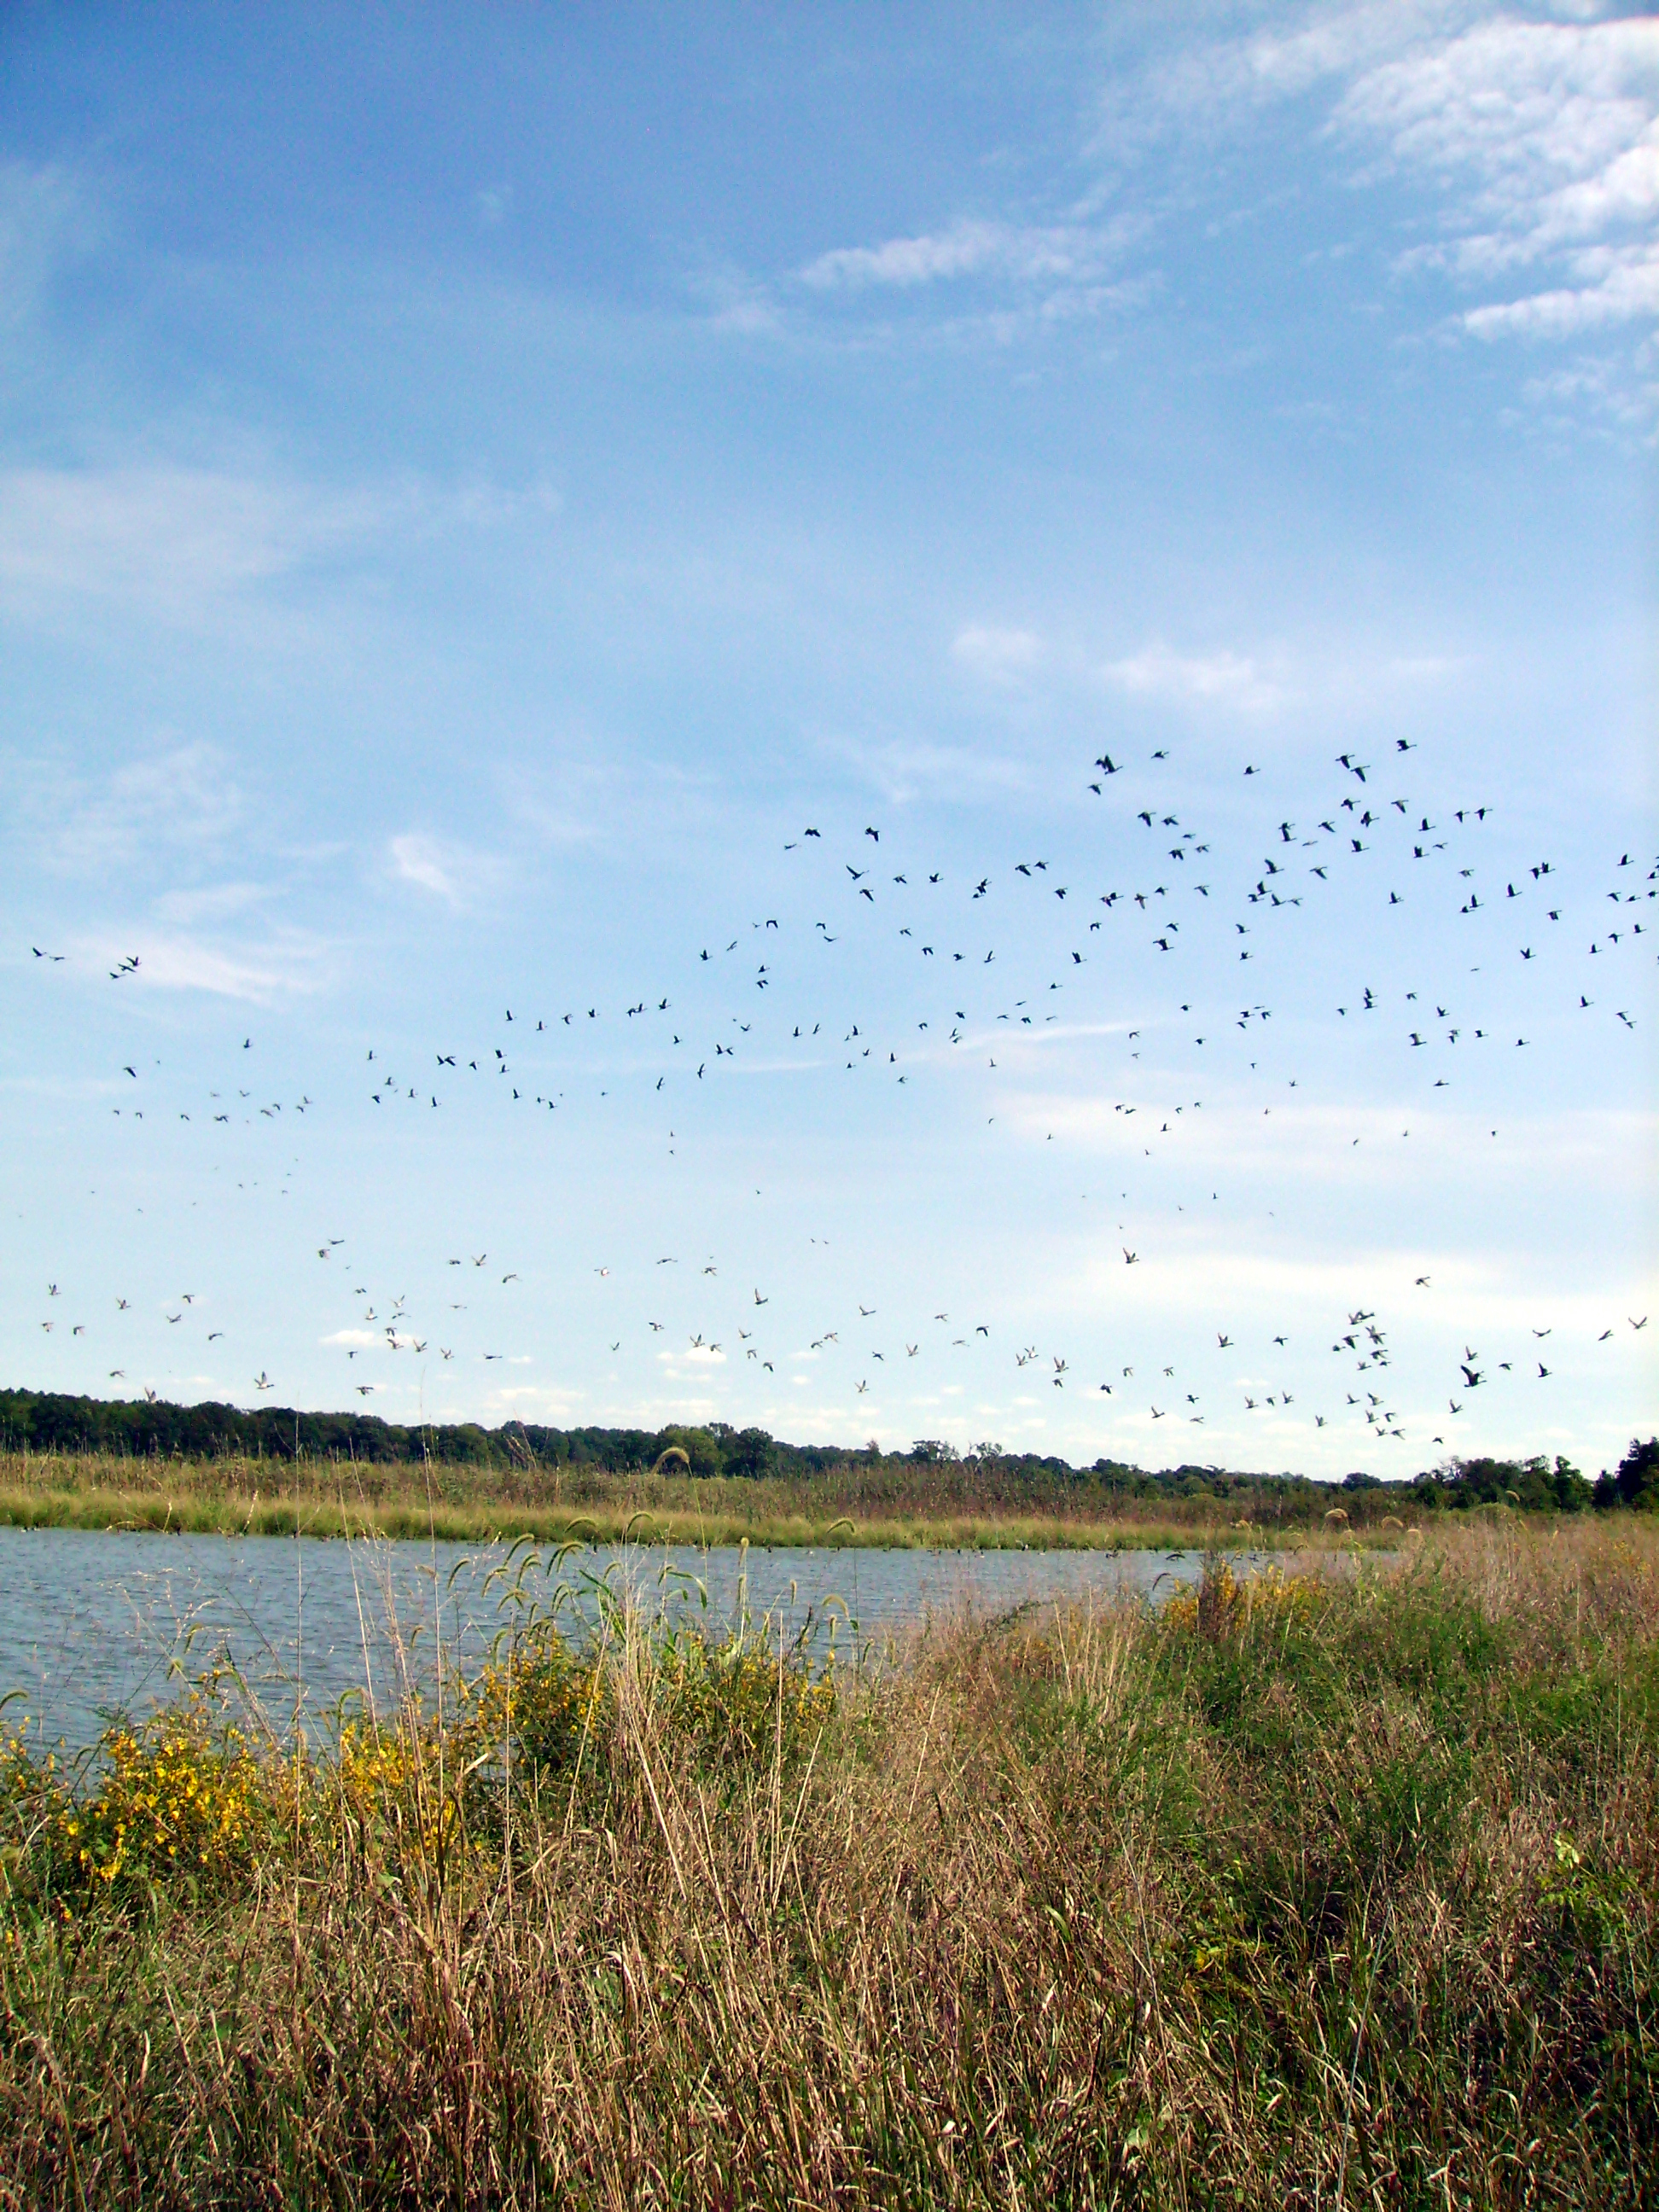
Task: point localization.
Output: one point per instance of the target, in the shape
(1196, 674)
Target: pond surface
(95, 1623)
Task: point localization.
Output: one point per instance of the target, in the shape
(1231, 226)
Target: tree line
(153, 1429)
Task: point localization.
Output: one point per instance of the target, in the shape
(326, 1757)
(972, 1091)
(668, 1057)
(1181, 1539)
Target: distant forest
(151, 1429)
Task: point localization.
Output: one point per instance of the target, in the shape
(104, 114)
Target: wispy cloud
(1221, 677)
(190, 546)
(458, 874)
(48, 218)
(563, 802)
(179, 544)
(527, 1401)
(1267, 676)
(285, 964)
(1024, 275)
(1592, 385)
(735, 301)
(186, 798)
(905, 769)
(1022, 254)
(1549, 129)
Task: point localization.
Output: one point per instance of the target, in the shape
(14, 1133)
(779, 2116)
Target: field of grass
(888, 1503)
(1322, 1893)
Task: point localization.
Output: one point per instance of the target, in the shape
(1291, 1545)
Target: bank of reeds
(1322, 1893)
(892, 1503)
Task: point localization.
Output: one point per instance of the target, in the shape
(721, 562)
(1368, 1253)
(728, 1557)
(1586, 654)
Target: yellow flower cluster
(541, 1697)
(173, 1794)
(187, 1793)
(1222, 1605)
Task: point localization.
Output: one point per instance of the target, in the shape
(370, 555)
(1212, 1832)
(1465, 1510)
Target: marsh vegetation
(691, 1486)
(1293, 1891)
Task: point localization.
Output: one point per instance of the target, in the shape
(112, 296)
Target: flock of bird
(979, 962)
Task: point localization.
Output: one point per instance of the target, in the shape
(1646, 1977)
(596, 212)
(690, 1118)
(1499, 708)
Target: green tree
(750, 1454)
(700, 1449)
(1638, 1474)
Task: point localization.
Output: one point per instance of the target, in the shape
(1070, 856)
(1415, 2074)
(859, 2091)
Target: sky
(725, 717)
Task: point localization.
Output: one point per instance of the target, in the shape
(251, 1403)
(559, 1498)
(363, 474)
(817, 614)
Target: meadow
(1318, 1892)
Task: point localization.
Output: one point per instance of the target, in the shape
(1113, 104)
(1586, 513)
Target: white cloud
(1627, 288)
(416, 860)
(1551, 125)
(1068, 262)
(176, 542)
(751, 316)
(533, 1402)
(1538, 142)
(964, 250)
(1426, 667)
(1223, 677)
(1223, 80)
(481, 502)
(1544, 138)
(455, 874)
(285, 965)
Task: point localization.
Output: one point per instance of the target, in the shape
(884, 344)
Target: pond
(96, 1623)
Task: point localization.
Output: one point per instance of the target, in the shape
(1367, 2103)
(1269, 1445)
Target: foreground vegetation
(1323, 1893)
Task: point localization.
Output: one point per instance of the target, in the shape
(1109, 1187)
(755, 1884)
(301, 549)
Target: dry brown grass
(1298, 1893)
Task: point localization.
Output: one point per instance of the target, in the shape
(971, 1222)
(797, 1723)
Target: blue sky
(476, 489)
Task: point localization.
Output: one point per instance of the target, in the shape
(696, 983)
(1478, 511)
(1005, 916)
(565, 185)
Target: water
(94, 1623)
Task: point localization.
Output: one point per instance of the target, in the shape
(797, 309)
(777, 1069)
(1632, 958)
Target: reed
(892, 1504)
(1321, 1892)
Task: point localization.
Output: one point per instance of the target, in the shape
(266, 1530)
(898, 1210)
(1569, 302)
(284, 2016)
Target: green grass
(892, 1504)
(1295, 1892)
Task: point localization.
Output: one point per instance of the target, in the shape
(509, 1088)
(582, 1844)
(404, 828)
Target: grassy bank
(889, 1504)
(1298, 1894)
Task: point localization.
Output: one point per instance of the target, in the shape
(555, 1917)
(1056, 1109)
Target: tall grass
(1295, 1892)
(887, 1503)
